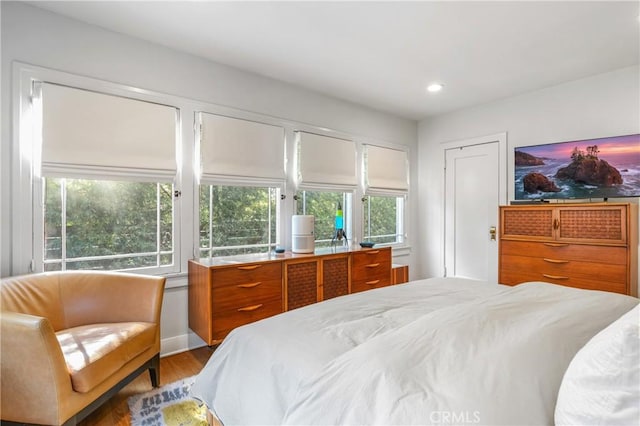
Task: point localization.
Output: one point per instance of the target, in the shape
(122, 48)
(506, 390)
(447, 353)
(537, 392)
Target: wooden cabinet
(399, 274)
(370, 269)
(227, 292)
(336, 276)
(592, 246)
(311, 280)
(302, 282)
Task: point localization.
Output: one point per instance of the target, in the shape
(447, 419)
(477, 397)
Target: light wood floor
(175, 367)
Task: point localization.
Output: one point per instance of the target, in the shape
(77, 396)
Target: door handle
(492, 233)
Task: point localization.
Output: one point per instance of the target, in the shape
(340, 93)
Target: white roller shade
(326, 161)
(386, 169)
(89, 129)
(242, 148)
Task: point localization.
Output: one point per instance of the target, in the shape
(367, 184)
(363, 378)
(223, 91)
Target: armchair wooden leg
(154, 371)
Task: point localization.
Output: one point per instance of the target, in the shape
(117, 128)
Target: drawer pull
(554, 260)
(372, 265)
(249, 285)
(250, 308)
(555, 277)
(374, 282)
(372, 251)
(249, 267)
(556, 244)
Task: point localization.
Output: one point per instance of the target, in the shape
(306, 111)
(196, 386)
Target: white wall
(602, 105)
(41, 38)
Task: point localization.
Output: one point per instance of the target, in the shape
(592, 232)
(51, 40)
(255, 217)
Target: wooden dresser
(591, 246)
(227, 292)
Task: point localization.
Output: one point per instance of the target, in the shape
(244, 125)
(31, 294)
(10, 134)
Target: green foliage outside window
(322, 205)
(237, 220)
(380, 219)
(107, 225)
(110, 225)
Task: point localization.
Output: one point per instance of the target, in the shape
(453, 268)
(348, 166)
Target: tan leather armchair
(71, 340)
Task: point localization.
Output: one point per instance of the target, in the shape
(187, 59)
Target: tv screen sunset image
(593, 168)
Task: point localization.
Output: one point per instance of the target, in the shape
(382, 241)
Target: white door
(472, 196)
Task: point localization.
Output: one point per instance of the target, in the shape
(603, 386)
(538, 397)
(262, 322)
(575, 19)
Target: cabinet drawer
(241, 295)
(511, 277)
(226, 321)
(371, 270)
(369, 256)
(369, 284)
(565, 251)
(245, 274)
(559, 270)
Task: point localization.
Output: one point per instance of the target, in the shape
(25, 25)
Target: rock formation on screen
(524, 159)
(587, 168)
(537, 182)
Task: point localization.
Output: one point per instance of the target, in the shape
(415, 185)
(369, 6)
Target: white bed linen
(602, 384)
(255, 373)
(396, 355)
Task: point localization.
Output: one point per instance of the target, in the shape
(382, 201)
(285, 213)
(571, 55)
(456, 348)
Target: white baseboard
(176, 344)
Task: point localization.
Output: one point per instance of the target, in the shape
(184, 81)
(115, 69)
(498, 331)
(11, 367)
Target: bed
(436, 351)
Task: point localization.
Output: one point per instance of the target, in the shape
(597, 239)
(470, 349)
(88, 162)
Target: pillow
(602, 384)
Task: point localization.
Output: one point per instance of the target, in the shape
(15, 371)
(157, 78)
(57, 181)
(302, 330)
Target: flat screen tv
(583, 169)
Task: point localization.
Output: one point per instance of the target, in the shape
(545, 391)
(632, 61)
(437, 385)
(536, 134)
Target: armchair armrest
(35, 380)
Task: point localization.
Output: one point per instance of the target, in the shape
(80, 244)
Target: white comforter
(438, 351)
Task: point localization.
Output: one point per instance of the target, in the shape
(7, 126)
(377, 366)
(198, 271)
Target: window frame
(28, 189)
(401, 202)
(401, 194)
(279, 188)
(347, 208)
(40, 243)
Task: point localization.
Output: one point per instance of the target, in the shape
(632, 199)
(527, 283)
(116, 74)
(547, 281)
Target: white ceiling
(383, 54)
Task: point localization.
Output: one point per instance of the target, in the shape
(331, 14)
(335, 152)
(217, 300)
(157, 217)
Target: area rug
(169, 405)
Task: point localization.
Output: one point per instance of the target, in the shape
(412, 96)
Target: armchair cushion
(95, 352)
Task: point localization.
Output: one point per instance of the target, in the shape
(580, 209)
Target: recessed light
(435, 87)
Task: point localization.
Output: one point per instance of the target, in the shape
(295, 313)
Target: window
(107, 168)
(326, 178)
(242, 216)
(237, 220)
(98, 224)
(383, 219)
(111, 177)
(323, 206)
(386, 185)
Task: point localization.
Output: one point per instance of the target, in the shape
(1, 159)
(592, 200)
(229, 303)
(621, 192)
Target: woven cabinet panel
(597, 224)
(302, 285)
(536, 223)
(335, 277)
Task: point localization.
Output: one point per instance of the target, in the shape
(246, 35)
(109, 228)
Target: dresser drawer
(370, 256)
(241, 295)
(245, 274)
(545, 269)
(511, 277)
(369, 284)
(564, 251)
(225, 321)
(374, 268)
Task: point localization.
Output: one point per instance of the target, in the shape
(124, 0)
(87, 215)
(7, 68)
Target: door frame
(501, 139)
